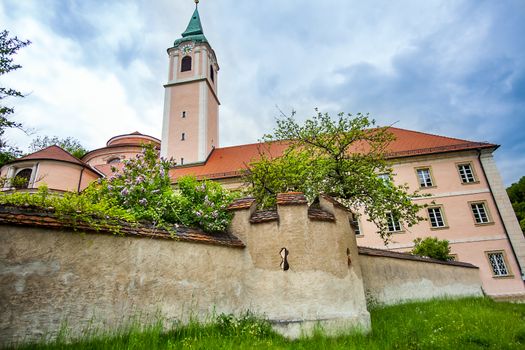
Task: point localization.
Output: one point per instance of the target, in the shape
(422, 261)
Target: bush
(140, 191)
(432, 247)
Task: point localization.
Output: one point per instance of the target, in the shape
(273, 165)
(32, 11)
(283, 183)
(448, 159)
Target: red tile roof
(407, 256)
(35, 217)
(228, 162)
(53, 153)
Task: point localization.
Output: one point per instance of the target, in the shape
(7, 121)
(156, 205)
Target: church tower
(190, 127)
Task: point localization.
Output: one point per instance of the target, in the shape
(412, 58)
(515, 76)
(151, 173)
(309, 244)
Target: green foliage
(341, 158)
(8, 48)
(203, 204)
(69, 144)
(140, 191)
(516, 194)
(432, 247)
(473, 323)
(70, 207)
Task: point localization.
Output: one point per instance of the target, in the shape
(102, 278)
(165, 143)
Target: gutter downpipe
(522, 273)
(80, 179)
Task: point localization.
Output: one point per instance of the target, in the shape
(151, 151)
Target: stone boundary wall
(393, 277)
(299, 266)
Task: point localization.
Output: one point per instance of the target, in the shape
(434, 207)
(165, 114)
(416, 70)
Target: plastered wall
(390, 280)
(48, 276)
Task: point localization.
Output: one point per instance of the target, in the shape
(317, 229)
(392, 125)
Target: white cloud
(96, 68)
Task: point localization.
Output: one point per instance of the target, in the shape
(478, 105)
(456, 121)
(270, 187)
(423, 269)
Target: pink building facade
(467, 202)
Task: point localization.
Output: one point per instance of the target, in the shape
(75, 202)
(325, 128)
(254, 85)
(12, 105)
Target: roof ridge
(436, 135)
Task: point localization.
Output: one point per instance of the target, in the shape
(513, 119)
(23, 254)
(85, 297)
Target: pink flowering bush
(202, 204)
(143, 188)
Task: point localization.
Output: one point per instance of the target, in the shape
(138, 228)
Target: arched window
(185, 64)
(212, 73)
(183, 114)
(114, 160)
(183, 137)
(21, 179)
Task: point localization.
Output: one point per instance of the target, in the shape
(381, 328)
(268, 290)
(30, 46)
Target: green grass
(472, 323)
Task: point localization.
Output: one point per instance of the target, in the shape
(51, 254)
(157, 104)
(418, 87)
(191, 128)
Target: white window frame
(424, 177)
(476, 211)
(501, 267)
(394, 223)
(433, 215)
(16, 168)
(464, 174)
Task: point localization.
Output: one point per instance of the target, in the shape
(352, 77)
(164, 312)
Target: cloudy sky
(456, 68)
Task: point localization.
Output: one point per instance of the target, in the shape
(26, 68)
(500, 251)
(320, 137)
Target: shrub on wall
(432, 247)
(140, 191)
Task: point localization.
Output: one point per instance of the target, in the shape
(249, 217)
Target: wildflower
(110, 188)
(124, 192)
(139, 179)
(215, 214)
(143, 201)
(198, 213)
(155, 191)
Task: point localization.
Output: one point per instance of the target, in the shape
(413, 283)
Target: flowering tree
(341, 157)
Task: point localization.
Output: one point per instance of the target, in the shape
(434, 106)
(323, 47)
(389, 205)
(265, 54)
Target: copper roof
(229, 162)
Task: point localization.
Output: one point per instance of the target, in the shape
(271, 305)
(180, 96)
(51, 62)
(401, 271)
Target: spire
(194, 27)
(194, 30)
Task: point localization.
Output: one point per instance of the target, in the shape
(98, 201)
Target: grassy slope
(438, 324)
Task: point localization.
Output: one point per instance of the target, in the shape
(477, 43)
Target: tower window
(183, 114)
(183, 136)
(185, 64)
(212, 74)
(182, 161)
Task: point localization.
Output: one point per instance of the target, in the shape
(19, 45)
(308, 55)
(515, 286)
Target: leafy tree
(70, 144)
(341, 158)
(8, 48)
(432, 247)
(516, 193)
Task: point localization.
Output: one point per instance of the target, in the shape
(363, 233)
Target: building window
(182, 161)
(466, 173)
(425, 177)
(497, 263)
(183, 137)
(185, 64)
(354, 223)
(183, 114)
(436, 218)
(212, 74)
(22, 178)
(481, 215)
(114, 160)
(393, 223)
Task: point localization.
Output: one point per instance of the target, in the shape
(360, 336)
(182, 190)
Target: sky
(96, 68)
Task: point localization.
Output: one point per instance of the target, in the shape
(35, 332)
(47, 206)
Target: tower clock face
(186, 49)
